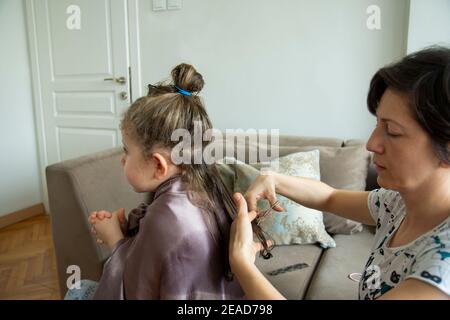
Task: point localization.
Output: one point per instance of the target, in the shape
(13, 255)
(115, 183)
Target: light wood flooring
(27, 261)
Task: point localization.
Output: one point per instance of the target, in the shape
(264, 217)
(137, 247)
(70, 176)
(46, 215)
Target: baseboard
(14, 217)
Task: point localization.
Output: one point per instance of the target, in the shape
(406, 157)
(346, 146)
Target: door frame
(135, 81)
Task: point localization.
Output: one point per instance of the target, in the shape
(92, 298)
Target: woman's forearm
(320, 196)
(310, 193)
(254, 284)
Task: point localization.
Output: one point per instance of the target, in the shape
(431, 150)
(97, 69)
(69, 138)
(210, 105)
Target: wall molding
(17, 216)
(134, 48)
(37, 97)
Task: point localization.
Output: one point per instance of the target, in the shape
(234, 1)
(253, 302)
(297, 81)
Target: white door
(77, 111)
(83, 73)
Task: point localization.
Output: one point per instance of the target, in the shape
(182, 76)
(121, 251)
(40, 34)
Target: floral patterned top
(427, 258)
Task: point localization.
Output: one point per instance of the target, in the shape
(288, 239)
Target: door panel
(87, 140)
(87, 49)
(84, 103)
(81, 110)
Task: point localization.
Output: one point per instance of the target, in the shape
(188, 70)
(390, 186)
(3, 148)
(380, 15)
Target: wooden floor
(27, 261)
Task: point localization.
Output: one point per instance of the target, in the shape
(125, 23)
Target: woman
(410, 257)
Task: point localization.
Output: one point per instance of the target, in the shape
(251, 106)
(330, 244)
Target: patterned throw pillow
(298, 224)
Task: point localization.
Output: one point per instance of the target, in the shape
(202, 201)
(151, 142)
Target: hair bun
(187, 78)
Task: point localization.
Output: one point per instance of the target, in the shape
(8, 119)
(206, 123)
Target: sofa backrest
(344, 164)
(76, 188)
(94, 182)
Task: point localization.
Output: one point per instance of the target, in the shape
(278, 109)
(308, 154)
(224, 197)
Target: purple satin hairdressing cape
(169, 253)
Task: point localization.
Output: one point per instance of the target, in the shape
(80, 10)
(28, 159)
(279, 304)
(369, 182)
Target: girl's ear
(161, 166)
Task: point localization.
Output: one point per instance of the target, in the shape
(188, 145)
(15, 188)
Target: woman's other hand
(242, 248)
(242, 252)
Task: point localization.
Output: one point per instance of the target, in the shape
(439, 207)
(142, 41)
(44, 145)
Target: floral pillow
(297, 224)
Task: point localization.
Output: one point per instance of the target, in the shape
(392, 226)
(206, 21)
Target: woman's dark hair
(152, 119)
(424, 77)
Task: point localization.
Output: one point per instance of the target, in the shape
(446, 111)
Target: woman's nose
(375, 142)
(122, 160)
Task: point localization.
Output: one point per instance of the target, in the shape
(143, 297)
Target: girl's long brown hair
(152, 119)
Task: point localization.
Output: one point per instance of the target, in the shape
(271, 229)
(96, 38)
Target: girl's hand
(98, 216)
(242, 249)
(107, 230)
(103, 214)
(264, 187)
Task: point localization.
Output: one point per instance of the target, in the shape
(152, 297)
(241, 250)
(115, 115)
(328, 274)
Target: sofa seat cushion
(292, 284)
(331, 278)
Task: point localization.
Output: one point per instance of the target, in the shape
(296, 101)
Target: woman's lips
(379, 167)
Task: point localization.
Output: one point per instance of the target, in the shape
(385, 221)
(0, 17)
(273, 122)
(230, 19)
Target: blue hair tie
(186, 93)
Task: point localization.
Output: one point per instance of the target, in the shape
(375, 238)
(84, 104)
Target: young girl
(176, 247)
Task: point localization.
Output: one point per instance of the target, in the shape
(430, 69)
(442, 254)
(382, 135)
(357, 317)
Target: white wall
(19, 174)
(301, 66)
(429, 23)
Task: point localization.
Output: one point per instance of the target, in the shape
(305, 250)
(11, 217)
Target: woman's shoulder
(432, 257)
(385, 197)
(437, 238)
(385, 206)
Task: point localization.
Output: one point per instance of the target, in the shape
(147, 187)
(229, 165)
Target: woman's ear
(444, 164)
(161, 166)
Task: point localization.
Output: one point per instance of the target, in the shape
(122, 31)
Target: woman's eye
(124, 150)
(392, 134)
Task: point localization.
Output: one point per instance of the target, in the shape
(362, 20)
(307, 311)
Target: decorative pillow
(342, 168)
(298, 224)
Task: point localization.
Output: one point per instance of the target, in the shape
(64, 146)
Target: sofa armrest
(76, 188)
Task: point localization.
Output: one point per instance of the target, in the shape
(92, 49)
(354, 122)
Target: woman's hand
(242, 252)
(264, 187)
(242, 248)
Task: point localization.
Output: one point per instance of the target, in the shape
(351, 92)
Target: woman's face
(403, 152)
(139, 172)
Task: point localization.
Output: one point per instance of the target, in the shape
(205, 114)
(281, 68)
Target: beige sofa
(77, 187)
